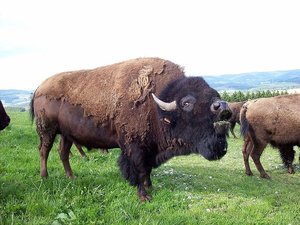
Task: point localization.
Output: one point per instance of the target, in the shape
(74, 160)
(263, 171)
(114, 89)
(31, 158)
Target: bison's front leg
(144, 182)
(148, 182)
(142, 193)
(133, 169)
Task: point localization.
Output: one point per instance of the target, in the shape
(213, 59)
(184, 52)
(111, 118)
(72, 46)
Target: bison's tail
(31, 111)
(243, 120)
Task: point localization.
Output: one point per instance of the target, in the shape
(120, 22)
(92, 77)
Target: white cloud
(39, 38)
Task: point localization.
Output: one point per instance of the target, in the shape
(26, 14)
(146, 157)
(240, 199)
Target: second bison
(274, 121)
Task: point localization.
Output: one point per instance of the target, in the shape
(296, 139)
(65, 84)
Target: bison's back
(117, 94)
(101, 91)
(275, 119)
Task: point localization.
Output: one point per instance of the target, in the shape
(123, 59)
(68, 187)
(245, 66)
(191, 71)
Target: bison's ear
(187, 103)
(166, 106)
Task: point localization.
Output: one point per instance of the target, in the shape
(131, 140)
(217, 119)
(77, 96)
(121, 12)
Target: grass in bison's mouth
(221, 123)
(222, 126)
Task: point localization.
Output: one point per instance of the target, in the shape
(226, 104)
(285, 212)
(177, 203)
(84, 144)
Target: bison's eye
(187, 103)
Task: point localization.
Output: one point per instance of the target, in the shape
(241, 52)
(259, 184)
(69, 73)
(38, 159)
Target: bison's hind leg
(79, 148)
(64, 152)
(255, 154)
(47, 136)
(247, 148)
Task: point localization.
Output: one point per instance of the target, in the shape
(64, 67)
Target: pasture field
(186, 190)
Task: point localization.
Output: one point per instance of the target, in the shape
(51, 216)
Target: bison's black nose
(225, 112)
(222, 109)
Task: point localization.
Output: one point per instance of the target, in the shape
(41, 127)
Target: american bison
(4, 118)
(235, 117)
(145, 106)
(274, 121)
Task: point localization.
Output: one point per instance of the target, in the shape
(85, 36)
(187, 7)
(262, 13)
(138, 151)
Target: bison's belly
(278, 132)
(72, 124)
(84, 130)
(284, 138)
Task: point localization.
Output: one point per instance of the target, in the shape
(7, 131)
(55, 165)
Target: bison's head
(193, 118)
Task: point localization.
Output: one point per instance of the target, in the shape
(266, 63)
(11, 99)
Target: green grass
(187, 189)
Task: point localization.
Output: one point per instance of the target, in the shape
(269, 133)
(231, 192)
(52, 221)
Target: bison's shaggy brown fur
(274, 121)
(146, 75)
(116, 106)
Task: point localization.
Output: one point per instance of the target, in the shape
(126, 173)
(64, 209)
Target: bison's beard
(210, 141)
(213, 147)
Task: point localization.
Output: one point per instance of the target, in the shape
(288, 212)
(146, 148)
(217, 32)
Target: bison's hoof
(44, 175)
(249, 173)
(145, 198)
(70, 176)
(265, 176)
(291, 171)
(85, 158)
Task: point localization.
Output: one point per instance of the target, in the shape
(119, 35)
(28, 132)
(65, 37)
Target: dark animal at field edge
(117, 106)
(235, 117)
(4, 118)
(274, 121)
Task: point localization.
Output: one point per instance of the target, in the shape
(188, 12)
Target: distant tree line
(239, 96)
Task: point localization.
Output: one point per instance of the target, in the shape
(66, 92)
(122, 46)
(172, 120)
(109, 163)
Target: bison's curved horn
(165, 105)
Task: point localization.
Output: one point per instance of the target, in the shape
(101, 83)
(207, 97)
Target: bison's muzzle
(222, 109)
(223, 112)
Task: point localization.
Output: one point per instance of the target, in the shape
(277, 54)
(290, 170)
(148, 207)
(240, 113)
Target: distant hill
(276, 80)
(16, 98)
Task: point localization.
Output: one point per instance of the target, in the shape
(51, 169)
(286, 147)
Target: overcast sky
(39, 38)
